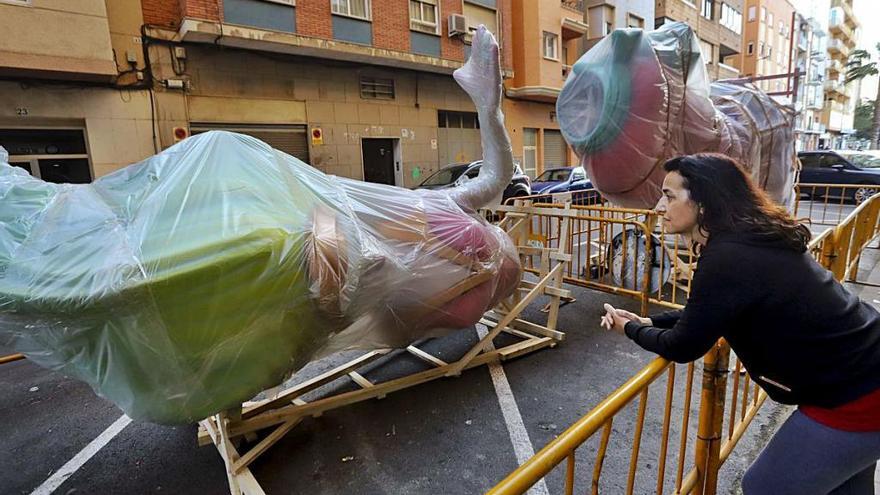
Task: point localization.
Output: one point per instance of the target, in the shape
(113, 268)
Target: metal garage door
(291, 139)
(554, 149)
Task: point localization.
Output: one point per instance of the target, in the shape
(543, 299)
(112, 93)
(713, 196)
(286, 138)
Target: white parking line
(519, 436)
(67, 470)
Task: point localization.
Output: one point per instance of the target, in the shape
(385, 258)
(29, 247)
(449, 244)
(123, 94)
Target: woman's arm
(719, 293)
(666, 319)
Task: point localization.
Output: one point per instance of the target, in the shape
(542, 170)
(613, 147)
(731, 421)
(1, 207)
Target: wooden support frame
(276, 416)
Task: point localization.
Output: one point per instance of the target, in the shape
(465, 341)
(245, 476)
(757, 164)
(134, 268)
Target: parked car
(551, 177)
(566, 179)
(458, 173)
(839, 167)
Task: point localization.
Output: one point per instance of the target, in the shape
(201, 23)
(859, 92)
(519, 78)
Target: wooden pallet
(275, 417)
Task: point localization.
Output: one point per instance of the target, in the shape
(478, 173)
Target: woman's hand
(616, 319)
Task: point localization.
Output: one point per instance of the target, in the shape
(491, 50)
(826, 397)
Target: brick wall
(313, 19)
(391, 24)
(450, 48)
(506, 12)
(161, 12)
(202, 9)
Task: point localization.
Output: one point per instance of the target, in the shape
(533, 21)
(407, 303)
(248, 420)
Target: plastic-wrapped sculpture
(639, 98)
(185, 284)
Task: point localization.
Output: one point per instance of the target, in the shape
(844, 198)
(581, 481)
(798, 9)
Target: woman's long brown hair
(731, 202)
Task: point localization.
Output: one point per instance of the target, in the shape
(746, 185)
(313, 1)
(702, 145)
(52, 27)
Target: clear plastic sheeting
(638, 98)
(187, 283)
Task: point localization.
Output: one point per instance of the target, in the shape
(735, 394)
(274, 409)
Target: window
(731, 18)
(54, 155)
(769, 19)
(530, 151)
(761, 49)
(352, 8)
(578, 174)
(707, 7)
(377, 88)
(751, 48)
(781, 27)
(634, 21)
(763, 14)
(423, 16)
(550, 46)
(457, 120)
(810, 161)
(477, 15)
(609, 26)
(662, 21)
(708, 51)
(752, 14)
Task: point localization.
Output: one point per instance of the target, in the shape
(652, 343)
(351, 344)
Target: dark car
(551, 177)
(566, 180)
(457, 173)
(830, 167)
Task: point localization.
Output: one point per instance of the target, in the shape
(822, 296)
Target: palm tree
(858, 68)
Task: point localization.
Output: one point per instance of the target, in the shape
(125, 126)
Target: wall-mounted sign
(317, 136)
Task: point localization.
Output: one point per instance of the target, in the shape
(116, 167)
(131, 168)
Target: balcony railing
(848, 10)
(577, 5)
(838, 46)
(836, 23)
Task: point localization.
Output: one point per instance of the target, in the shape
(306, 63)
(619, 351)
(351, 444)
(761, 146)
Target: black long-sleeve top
(800, 333)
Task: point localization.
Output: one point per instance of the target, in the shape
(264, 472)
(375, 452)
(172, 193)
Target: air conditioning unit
(457, 25)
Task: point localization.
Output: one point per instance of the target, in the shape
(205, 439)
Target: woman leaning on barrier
(801, 335)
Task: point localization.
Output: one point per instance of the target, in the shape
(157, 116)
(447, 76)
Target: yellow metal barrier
(830, 204)
(10, 358)
(724, 415)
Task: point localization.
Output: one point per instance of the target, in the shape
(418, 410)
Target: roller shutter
(291, 139)
(554, 149)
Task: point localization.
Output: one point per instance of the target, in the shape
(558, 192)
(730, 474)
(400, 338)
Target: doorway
(381, 161)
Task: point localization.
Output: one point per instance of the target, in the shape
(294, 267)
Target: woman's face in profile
(678, 211)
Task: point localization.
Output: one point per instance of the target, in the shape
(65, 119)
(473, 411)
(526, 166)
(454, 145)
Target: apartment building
(72, 104)
(768, 42)
(808, 55)
(840, 99)
(717, 24)
(546, 41)
(358, 88)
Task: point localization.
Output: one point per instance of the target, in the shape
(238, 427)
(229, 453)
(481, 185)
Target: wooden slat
(360, 380)
(415, 351)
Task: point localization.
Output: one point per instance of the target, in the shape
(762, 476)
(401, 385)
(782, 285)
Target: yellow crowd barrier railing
(691, 464)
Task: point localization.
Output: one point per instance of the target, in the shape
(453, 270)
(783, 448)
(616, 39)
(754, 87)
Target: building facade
(840, 98)
(767, 42)
(717, 24)
(808, 55)
(547, 38)
(357, 88)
